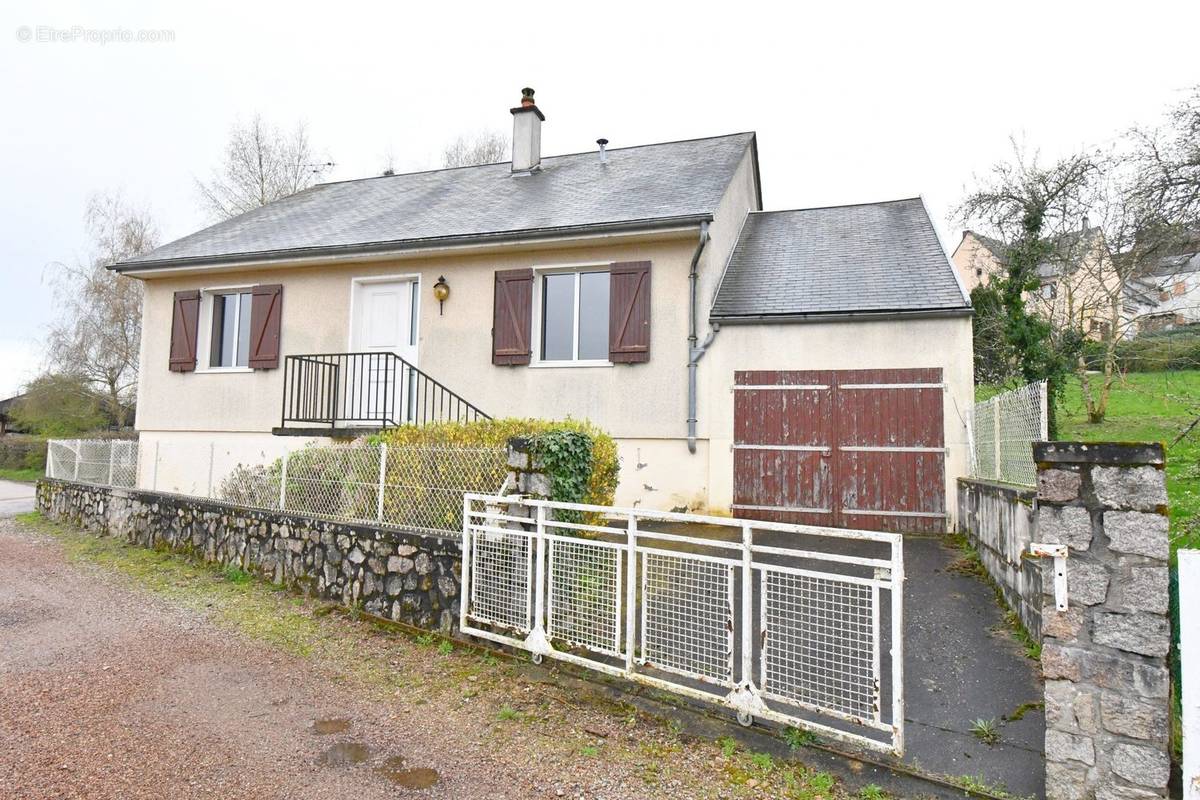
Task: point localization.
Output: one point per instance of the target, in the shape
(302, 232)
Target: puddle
(322, 727)
(419, 778)
(344, 754)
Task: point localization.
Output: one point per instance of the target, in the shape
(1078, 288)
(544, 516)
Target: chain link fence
(415, 487)
(107, 462)
(1003, 431)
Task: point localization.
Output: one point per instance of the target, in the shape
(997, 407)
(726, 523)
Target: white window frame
(204, 345)
(575, 362)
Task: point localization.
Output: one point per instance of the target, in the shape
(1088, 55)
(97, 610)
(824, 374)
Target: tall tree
(1168, 161)
(1030, 207)
(96, 337)
(262, 164)
(487, 147)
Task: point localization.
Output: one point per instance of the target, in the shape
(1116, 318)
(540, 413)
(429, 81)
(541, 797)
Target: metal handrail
(369, 389)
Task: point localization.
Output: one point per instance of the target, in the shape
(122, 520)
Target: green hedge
(1153, 352)
(429, 468)
(580, 459)
(18, 451)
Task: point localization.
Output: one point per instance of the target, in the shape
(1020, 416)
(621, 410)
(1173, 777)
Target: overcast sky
(851, 102)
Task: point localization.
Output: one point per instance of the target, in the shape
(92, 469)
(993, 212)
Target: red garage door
(846, 448)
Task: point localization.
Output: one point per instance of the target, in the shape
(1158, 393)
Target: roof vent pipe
(603, 153)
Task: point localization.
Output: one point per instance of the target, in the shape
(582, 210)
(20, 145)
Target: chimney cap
(528, 104)
(602, 141)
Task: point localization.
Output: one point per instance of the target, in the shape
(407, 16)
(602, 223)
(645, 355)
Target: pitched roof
(877, 257)
(639, 186)
(996, 247)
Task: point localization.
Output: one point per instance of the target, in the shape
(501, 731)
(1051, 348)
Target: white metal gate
(798, 624)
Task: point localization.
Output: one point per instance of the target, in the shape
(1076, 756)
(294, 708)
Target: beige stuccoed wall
(644, 406)
(455, 347)
(943, 342)
(970, 257)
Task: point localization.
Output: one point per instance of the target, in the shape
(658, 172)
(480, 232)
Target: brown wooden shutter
(629, 312)
(266, 309)
(512, 317)
(185, 316)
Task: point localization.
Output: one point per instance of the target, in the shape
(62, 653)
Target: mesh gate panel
(819, 646)
(583, 595)
(687, 616)
(500, 579)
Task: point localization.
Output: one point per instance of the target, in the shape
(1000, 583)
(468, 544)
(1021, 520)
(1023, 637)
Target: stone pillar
(525, 473)
(1105, 658)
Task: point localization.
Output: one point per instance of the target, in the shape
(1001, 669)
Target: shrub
(580, 459)
(22, 452)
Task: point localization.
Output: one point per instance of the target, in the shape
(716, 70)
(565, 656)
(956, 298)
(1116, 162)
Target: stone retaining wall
(998, 521)
(408, 577)
(1104, 658)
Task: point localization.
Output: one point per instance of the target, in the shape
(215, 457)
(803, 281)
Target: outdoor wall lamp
(441, 290)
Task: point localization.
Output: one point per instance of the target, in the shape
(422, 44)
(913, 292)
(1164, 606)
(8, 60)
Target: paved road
(15, 498)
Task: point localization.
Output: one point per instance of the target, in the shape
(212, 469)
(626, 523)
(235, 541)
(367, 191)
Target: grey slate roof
(659, 182)
(878, 257)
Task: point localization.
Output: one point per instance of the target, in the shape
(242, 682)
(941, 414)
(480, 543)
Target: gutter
(383, 249)
(695, 353)
(845, 316)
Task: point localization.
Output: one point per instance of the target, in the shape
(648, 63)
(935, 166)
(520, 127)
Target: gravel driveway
(109, 689)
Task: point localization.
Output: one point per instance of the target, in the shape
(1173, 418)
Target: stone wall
(408, 577)
(998, 521)
(1104, 659)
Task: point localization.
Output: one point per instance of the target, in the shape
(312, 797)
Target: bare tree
(97, 334)
(1099, 235)
(262, 164)
(1168, 162)
(487, 147)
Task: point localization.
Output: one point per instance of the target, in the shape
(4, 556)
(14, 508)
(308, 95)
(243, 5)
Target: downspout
(695, 351)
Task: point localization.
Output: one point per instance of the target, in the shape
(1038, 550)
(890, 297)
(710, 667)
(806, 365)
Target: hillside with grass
(1148, 407)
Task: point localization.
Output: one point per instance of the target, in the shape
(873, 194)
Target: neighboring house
(6, 408)
(978, 259)
(1168, 297)
(1073, 291)
(808, 365)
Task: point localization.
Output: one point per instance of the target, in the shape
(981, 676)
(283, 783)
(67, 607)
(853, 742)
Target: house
(810, 365)
(1074, 287)
(6, 409)
(1169, 296)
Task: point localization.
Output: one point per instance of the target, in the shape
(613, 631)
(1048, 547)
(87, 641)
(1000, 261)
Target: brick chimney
(527, 134)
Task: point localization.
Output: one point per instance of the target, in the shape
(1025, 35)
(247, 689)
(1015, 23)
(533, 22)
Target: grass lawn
(1147, 407)
(25, 475)
(1151, 407)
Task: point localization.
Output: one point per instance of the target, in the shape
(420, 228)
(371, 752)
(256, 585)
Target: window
(230, 330)
(1049, 291)
(574, 316)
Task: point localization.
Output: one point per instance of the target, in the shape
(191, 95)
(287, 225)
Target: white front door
(385, 321)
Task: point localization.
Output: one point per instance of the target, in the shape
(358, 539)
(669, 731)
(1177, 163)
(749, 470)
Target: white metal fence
(416, 487)
(798, 624)
(108, 462)
(1003, 431)
(1189, 659)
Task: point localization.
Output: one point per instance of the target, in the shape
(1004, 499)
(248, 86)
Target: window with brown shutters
(266, 311)
(512, 317)
(629, 312)
(185, 316)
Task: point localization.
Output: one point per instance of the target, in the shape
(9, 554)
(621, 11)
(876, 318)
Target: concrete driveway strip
(15, 498)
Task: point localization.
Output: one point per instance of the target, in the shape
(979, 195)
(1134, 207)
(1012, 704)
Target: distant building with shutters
(794, 365)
